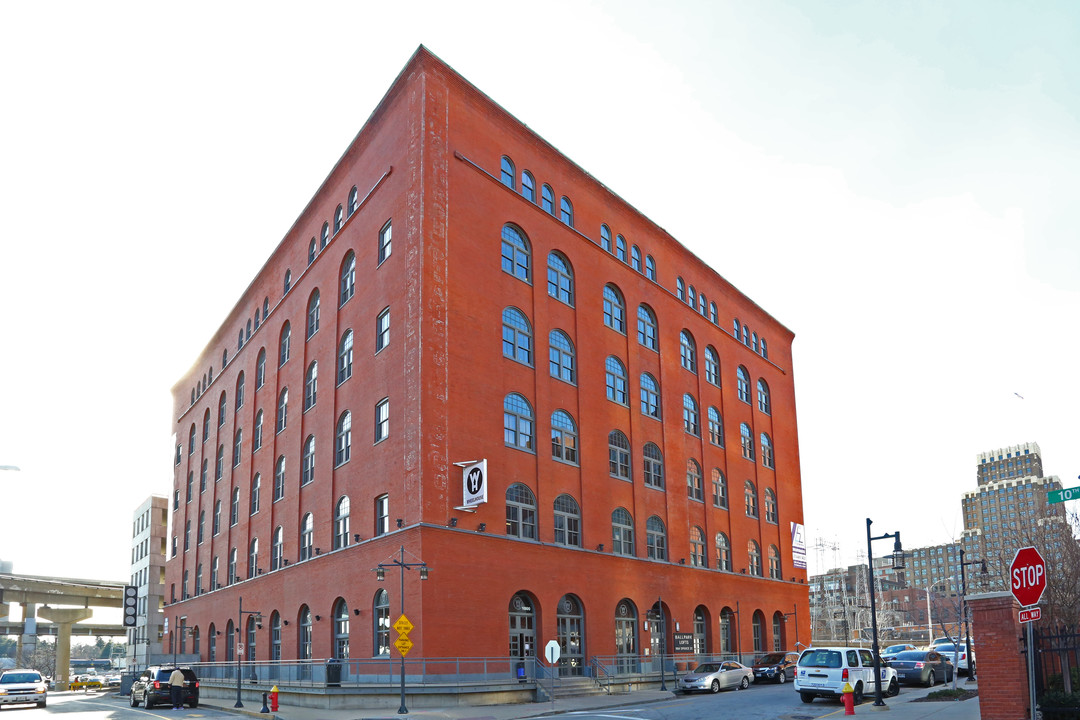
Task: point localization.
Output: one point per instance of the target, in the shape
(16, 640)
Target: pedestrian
(176, 689)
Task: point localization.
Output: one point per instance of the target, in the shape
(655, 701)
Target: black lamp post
(794, 613)
(239, 634)
(963, 592)
(898, 564)
(380, 575)
(180, 630)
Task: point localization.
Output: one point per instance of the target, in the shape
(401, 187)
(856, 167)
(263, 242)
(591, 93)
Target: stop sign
(1027, 576)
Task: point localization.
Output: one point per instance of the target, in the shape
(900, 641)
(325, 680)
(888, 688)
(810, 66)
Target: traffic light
(131, 605)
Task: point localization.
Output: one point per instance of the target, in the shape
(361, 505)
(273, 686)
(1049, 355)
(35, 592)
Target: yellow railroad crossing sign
(403, 626)
(403, 644)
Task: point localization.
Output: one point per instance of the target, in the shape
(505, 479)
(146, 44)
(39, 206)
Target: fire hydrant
(849, 699)
(273, 699)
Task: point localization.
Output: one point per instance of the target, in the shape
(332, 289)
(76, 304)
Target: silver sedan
(716, 676)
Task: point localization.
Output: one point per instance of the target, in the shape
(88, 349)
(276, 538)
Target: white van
(823, 671)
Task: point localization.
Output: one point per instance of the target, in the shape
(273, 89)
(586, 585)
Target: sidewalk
(900, 707)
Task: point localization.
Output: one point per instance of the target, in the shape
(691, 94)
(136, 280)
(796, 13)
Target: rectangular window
(384, 242)
(382, 420)
(382, 515)
(382, 330)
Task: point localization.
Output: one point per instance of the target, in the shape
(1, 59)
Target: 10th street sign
(1027, 575)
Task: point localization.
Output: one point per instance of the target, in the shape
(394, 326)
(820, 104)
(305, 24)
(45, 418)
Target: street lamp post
(963, 592)
(898, 564)
(380, 575)
(239, 634)
(794, 613)
(180, 630)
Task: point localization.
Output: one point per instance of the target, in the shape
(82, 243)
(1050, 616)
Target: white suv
(823, 671)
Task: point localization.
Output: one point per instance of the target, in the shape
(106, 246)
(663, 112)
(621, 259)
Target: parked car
(823, 672)
(960, 653)
(716, 676)
(151, 687)
(23, 686)
(776, 667)
(890, 652)
(925, 667)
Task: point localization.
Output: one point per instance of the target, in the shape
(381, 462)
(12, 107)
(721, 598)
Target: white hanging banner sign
(474, 484)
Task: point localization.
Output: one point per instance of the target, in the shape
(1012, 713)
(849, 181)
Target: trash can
(519, 670)
(333, 673)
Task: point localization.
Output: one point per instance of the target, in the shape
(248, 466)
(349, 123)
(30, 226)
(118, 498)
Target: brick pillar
(1002, 666)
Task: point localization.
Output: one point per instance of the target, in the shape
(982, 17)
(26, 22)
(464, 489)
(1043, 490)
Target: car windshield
(912, 655)
(9, 678)
(821, 659)
(771, 659)
(707, 668)
(896, 648)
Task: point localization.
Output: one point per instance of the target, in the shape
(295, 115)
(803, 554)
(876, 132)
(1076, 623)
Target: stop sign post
(1027, 575)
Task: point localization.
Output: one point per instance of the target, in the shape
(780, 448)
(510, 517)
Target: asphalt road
(106, 706)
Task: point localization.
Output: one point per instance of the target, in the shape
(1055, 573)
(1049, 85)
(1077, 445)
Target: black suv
(151, 687)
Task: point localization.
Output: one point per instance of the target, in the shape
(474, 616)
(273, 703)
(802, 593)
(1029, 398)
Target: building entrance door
(522, 627)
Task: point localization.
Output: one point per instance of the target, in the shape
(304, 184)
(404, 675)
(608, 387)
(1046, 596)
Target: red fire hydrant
(849, 699)
(273, 699)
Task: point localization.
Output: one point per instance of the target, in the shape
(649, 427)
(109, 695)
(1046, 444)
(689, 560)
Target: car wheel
(930, 680)
(715, 687)
(132, 701)
(894, 688)
(807, 697)
(147, 702)
(193, 704)
(41, 703)
(745, 683)
(783, 677)
(858, 696)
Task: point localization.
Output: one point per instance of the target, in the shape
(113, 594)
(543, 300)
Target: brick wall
(1002, 670)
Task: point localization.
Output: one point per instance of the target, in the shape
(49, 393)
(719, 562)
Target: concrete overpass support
(64, 619)
(27, 642)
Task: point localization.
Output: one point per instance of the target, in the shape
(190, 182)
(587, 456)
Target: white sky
(892, 181)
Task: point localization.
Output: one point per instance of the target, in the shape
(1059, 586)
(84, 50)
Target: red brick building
(457, 290)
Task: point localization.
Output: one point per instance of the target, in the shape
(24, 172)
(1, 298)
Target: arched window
(347, 284)
(343, 439)
(285, 342)
(635, 258)
(654, 466)
(564, 438)
(381, 619)
(743, 384)
(253, 502)
(202, 527)
(771, 514)
(304, 633)
(196, 638)
(622, 533)
(680, 289)
(528, 186)
(508, 173)
(313, 314)
(759, 631)
(311, 386)
(753, 343)
(650, 396)
(712, 366)
(257, 435)
(766, 451)
(223, 407)
(341, 523)
(287, 282)
(764, 349)
(570, 634)
(620, 248)
(520, 512)
(716, 427)
(547, 199)
(253, 555)
(260, 369)
(518, 423)
(191, 439)
(516, 257)
(212, 643)
(307, 468)
(753, 551)
(719, 489)
(386, 242)
(517, 337)
(324, 238)
(567, 521)
(562, 357)
(694, 489)
(341, 629)
(233, 562)
(646, 327)
(279, 478)
(283, 410)
(690, 296)
(307, 537)
(655, 538)
(354, 200)
(206, 425)
(750, 498)
(650, 268)
(618, 455)
(560, 278)
(234, 508)
(778, 631)
(219, 472)
(339, 218)
(712, 313)
(230, 641)
(566, 211)
(217, 514)
(763, 402)
(605, 237)
(747, 441)
(697, 547)
(277, 549)
(774, 563)
(687, 351)
(345, 357)
(691, 417)
(723, 552)
(312, 251)
(614, 309)
(275, 635)
(615, 380)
